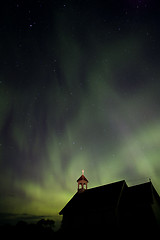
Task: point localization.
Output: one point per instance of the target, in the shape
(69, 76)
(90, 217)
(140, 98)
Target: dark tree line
(43, 229)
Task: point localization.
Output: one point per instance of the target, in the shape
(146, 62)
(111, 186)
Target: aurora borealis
(79, 89)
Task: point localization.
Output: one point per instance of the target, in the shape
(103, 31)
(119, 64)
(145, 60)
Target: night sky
(79, 89)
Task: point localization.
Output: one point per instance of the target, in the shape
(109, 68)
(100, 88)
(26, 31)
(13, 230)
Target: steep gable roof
(102, 197)
(140, 194)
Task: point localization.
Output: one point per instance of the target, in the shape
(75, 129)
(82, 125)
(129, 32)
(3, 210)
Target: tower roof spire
(82, 177)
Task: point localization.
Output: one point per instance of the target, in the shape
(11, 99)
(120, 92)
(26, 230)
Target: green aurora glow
(100, 113)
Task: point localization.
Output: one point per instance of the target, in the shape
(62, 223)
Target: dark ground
(44, 229)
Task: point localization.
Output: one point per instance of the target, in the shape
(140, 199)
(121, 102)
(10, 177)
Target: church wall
(156, 210)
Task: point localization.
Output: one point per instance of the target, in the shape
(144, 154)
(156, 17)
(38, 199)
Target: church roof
(111, 196)
(102, 197)
(140, 194)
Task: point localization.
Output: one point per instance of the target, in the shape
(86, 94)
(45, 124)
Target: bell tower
(82, 183)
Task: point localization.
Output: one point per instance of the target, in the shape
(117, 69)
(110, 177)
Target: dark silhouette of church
(113, 208)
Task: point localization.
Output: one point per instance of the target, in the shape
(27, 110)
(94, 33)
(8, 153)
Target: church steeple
(82, 183)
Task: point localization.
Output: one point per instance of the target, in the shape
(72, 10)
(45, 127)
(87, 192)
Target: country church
(114, 208)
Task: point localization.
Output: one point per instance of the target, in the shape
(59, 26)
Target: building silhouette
(113, 208)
